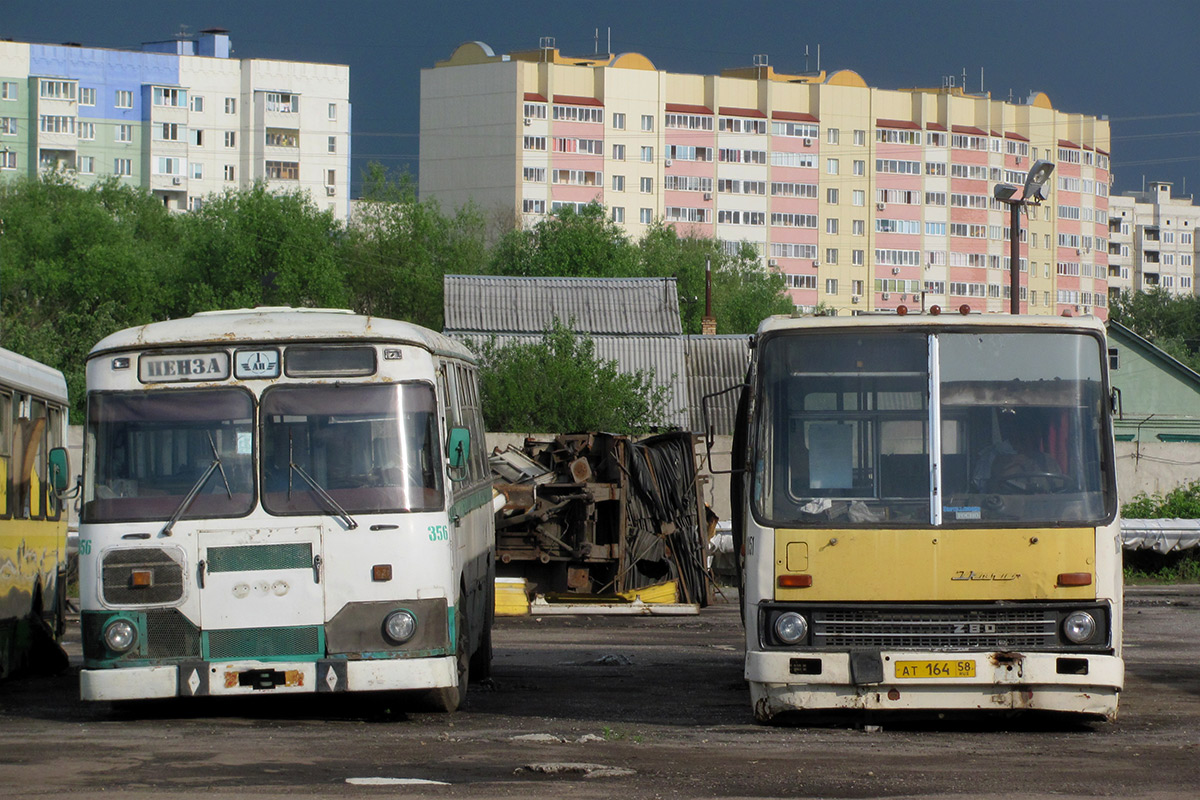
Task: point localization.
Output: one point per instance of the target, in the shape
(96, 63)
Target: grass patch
(1146, 567)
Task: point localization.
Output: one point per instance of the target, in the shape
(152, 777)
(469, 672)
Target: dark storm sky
(1137, 61)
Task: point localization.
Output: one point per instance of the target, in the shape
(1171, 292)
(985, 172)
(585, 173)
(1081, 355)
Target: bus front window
(149, 450)
(843, 429)
(372, 447)
(1026, 412)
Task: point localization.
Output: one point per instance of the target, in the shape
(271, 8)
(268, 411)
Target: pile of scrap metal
(596, 515)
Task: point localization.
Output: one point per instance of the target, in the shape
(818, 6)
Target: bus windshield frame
(931, 428)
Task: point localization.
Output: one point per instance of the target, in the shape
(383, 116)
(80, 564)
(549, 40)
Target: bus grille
(244, 558)
(936, 629)
(170, 635)
(301, 642)
(166, 584)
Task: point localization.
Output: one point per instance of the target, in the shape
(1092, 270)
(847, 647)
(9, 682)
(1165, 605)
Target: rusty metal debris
(597, 514)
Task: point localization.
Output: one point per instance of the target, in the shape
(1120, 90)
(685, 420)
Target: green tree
(569, 244)
(1171, 322)
(559, 384)
(743, 293)
(78, 264)
(399, 249)
(256, 247)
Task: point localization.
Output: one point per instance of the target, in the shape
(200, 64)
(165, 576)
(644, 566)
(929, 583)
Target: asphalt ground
(610, 707)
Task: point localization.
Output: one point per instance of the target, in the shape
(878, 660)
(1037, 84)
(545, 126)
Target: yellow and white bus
(928, 514)
(33, 519)
(284, 500)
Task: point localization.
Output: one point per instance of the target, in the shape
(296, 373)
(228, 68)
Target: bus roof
(279, 324)
(27, 375)
(944, 321)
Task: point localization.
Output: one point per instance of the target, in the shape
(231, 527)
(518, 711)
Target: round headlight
(120, 635)
(1079, 626)
(399, 626)
(791, 628)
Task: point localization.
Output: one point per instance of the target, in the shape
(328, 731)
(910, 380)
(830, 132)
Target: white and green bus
(283, 500)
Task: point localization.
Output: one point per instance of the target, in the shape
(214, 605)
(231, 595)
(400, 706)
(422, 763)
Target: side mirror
(460, 448)
(59, 469)
(706, 402)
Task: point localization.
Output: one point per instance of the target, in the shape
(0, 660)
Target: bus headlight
(399, 626)
(120, 635)
(791, 627)
(1079, 626)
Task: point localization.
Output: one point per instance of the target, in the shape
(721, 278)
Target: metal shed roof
(715, 363)
(599, 306)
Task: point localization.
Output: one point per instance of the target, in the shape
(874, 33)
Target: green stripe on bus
(472, 501)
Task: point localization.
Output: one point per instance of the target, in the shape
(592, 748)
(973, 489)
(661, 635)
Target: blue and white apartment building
(180, 118)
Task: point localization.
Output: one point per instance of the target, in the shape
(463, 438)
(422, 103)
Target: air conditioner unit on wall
(667, 163)
(808, 142)
(772, 263)
(528, 122)
(708, 195)
(895, 270)
(176, 181)
(880, 206)
(887, 296)
(854, 299)
(329, 190)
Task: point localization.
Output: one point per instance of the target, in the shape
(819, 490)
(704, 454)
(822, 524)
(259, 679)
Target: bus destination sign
(182, 367)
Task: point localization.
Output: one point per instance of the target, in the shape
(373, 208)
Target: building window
(87, 131)
(534, 174)
(197, 137)
(87, 96)
(231, 138)
(283, 171)
(56, 124)
(8, 159)
(123, 133)
(831, 225)
(169, 166)
(331, 177)
(176, 98)
(618, 152)
(529, 206)
(282, 138)
(230, 172)
(197, 170)
(8, 126)
(283, 102)
(860, 138)
(832, 135)
(122, 166)
(646, 216)
(333, 111)
(618, 214)
(831, 286)
(647, 185)
(195, 203)
(332, 144)
(86, 165)
(831, 254)
(647, 122)
(831, 196)
(197, 103)
(858, 197)
(618, 183)
(230, 105)
(169, 132)
(8, 90)
(648, 154)
(535, 143)
(856, 258)
(860, 167)
(124, 98)
(618, 121)
(831, 166)
(858, 227)
(57, 90)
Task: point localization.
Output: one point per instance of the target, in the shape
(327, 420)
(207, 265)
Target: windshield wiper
(318, 490)
(197, 486)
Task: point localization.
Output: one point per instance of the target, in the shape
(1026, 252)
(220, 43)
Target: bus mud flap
(866, 666)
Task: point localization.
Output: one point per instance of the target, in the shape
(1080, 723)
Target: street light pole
(1031, 194)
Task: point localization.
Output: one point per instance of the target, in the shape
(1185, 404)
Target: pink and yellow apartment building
(864, 199)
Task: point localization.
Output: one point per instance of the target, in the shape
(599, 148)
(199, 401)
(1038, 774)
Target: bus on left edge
(33, 518)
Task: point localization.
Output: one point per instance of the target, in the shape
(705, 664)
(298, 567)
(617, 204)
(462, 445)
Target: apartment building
(1152, 241)
(180, 118)
(863, 198)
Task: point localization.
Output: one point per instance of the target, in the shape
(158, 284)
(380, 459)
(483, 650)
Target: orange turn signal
(141, 579)
(1074, 579)
(381, 572)
(795, 581)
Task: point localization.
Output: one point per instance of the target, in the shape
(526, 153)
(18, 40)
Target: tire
(481, 659)
(449, 699)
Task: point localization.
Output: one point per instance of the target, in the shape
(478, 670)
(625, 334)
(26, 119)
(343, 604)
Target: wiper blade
(197, 486)
(319, 490)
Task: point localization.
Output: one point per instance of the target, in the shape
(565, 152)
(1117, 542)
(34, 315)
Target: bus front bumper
(1078, 683)
(198, 679)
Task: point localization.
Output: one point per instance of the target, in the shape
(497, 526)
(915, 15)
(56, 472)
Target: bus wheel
(481, 660)
(448, 699)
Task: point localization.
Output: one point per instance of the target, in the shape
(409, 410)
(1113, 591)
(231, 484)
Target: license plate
(935, 669)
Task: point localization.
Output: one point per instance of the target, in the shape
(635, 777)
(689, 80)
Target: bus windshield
(150, 449)
(370, 447)
(949, 429)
